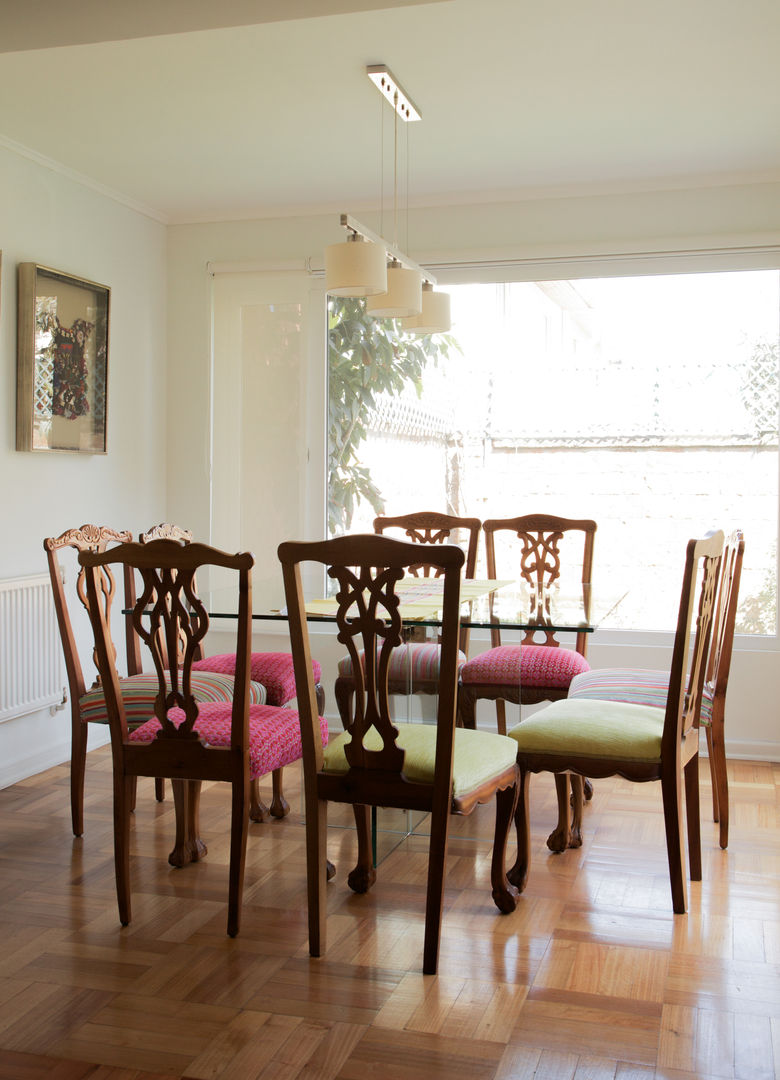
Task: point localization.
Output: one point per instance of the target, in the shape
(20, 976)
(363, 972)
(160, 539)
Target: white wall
(556, 228)
(47, 218)
(158, 461)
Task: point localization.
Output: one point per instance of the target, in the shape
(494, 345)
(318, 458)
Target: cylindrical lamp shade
(355, 268)
(403, 296)
(435, 315)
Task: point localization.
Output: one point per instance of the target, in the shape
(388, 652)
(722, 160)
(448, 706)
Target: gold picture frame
(62, 362)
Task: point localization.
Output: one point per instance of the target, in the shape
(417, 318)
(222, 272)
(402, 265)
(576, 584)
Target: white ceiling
(278, 116)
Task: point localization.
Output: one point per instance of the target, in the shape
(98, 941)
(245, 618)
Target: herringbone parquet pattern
(592, 977)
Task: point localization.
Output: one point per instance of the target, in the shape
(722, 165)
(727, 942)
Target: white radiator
(31, 662)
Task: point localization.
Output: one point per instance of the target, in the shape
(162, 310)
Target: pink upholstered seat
(273, 669)
(546, 550)
(526, 665)
(274, 733)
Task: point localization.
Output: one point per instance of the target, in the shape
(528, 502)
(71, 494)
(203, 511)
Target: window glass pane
(647, 403)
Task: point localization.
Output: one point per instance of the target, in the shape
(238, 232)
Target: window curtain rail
(258, 267)
(741, 256)
(496, 268)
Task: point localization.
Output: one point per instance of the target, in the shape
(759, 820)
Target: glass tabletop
(486, 604)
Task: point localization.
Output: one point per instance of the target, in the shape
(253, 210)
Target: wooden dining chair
(650, 687)
(414, 669)
(273, 671)
(638, 742)
(189, 742)
(138, 688)
(534, 670)
(377, 762)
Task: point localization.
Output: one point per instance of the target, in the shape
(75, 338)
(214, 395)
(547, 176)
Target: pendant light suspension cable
(391, 291)
(395, 170)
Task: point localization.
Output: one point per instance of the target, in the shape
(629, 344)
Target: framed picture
(62, 362)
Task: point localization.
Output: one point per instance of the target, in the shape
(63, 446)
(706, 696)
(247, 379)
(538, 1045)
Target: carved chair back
(540, 563)
(725, 614)
(169, 618)
(368, 568)
(430, 527)
(94, 538)
(163, 531)
(691, 650)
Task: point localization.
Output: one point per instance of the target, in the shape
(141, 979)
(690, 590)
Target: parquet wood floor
(592, 977)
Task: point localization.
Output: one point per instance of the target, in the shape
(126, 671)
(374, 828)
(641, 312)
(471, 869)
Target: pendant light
(356, 268)
(403, 297)
(435, 315)
(393, 291)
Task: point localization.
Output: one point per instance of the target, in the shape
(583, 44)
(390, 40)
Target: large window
(648, 403)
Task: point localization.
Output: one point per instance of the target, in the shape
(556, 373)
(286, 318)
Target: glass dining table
(503, 607)
(510, 609)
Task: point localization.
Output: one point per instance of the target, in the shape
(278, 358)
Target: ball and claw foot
(191, 850)
(280, 808)
(505, 899)
(561, 838)
(258, 812)
(361, 879)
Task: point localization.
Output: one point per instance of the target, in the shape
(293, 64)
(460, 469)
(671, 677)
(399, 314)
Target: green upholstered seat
(478, 755)
(578, 727)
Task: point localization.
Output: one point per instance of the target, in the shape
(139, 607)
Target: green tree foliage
(757, 611)
(367, 357)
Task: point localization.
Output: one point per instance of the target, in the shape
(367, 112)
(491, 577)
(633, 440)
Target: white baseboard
(29, 764)
(57, 753)
(752, 751)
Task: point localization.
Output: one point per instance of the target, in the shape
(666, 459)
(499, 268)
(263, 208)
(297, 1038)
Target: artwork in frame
(62, 362)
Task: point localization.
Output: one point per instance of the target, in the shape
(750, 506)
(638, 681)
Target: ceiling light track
(387, 84)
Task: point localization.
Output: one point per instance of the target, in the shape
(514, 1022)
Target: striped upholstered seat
(634, 686)
(139, 692)
(421, 662)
